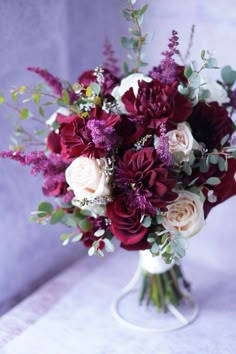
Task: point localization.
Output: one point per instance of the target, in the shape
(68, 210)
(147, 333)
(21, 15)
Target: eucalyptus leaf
(57, 215)
(213, 181)
(228, 75)
(147, 221)
(45, 207)
(155, 248)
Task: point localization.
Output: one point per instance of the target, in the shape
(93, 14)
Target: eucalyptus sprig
(137, 42)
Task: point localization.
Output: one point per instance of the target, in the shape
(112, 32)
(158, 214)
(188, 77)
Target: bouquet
(141, 157)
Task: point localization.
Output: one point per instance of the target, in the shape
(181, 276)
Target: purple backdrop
(67, 37)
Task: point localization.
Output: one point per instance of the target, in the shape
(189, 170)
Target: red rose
(157, 103)
(210, 123)
(125, 222)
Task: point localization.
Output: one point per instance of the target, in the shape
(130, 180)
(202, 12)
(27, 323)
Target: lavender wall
(67, 37)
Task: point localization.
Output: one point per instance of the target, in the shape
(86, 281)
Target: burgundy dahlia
(210, 123)
(144, 180)
(157, 103)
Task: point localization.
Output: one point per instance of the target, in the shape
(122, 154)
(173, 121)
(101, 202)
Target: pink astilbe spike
(110, 61)
(51, 80)
(166, 71)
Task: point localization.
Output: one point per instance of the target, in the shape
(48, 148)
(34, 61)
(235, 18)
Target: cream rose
(185, 215)
(86, 178)
(181, 140)
(125, 85)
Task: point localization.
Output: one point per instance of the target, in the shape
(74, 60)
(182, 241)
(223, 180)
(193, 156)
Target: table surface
(71, 314)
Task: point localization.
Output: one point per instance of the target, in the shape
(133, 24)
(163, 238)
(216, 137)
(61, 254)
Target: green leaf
(127, 43)
(45, 207)
(126, 14)
(204, 166)
(228, 75)
(211, 63)
(14, 96)
(84, 225)
(36, 97)
(203, 52)
(69, 220)
(213, 181)
(95, 88)
(66, 97)
(77, 237)
(188, 71)
(134, 32)
(143, 9)
(187, 168)
(2, 99)
(224, 140)
(213, 159)
(155, 248)
(41, 112)
(147, 221)
(159, 219)
(99, 233)
(24, 113)
(57, 215)
(125, 68)
(183, 90)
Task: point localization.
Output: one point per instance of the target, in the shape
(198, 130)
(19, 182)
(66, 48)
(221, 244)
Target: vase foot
(126, 311)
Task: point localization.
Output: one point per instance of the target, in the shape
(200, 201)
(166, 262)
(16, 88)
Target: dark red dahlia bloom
(210, 123)
(129, 132)
(125, 221)
(157, 103)
(110, 81)
(144, 180)
(88, 137)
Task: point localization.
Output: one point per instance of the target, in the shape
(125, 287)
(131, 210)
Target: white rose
(125, 85)
(86, 178)
(217, 92)
(181, 140)
(185, 215)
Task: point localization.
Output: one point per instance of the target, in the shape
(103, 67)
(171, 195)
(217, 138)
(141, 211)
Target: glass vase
(157, 298)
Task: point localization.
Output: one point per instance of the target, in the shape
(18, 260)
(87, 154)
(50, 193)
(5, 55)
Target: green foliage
(24, 114)
(147, 221)
(45, 208)
(228, 75)
(136, 43)
(57, 216)
(213, 181)
(2, 99)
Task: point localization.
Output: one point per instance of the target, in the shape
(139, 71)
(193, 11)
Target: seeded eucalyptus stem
(139, 38)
